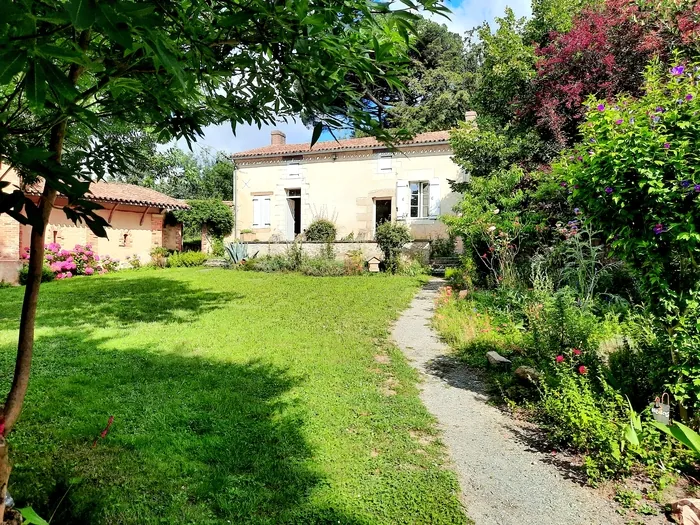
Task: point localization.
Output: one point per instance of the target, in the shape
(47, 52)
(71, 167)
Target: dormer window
(294, 168)
(385, 162)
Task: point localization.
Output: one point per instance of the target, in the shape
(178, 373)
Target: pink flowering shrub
(81, 260)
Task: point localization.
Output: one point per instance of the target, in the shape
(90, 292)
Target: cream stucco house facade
(357, 183)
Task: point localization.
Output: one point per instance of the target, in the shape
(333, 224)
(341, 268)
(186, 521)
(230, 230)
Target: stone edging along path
(503, 479)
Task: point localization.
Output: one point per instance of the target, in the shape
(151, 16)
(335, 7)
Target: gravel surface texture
(503, 476)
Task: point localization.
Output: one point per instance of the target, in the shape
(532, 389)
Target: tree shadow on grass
(193, 440)
(100, 301)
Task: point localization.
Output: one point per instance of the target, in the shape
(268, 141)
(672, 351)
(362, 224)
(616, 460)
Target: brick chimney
(470, 116)
(277, 138)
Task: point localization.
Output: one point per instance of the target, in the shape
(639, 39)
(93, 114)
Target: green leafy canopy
(212, 213)
(70, 71)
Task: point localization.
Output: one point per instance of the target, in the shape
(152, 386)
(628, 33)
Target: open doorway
(382, 211)
(293, 213)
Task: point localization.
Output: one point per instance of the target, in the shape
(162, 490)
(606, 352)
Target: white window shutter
(384, 162)
(434, 197)
(293, 169)
(403, 199)
(257, 213)
(266, 212)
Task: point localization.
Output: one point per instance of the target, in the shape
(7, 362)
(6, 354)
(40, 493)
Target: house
(357, 183)
(136, 216)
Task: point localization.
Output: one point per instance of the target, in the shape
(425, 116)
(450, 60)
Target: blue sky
(466, 14)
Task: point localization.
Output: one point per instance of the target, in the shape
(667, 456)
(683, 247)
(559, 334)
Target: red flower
(576, 351)
(560, 358)
(582, 370)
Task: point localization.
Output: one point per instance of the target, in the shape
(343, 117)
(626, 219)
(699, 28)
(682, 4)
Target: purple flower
(580, 157)
(601, 107)
(632, 120)
(659, 109)
(562, 184)
(656, 118)
(689, 97)
(608, 190)
(577, 211)
(677, 71)
(619, 121)
(659, 229)
(667, 145)
(697, 188)
(592, 140)
(685, 183)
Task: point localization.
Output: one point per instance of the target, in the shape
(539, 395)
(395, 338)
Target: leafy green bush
(442, 247)
(462, 277)
(321, 230)
(187, 259)
(134, 261)
(159, 257)
(217, 247)
(391, 238)
(213, 213)
(635, 176)
(558, 323)
(411, 267)
(639, 367)
(578, 417)
(354, 262)
(47, 274)
(295, 255)
(322, 267)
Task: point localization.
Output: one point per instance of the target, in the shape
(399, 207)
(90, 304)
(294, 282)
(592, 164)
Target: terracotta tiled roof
(277, 150)
(126, 194)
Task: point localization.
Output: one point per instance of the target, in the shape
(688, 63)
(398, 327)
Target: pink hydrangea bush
(81, 260)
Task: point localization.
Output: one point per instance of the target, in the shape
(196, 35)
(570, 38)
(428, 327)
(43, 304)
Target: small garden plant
(391, 238)
(321, 230)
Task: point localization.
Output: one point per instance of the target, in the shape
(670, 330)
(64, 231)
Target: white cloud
(466, 14)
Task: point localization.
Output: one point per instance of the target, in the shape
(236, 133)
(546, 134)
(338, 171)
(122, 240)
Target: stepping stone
(496, 359)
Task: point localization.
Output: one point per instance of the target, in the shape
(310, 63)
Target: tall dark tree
(206, 175)
(439, 83)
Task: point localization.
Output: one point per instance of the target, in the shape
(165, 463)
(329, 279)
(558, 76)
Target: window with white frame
(294, 168)
(420, 199)
(261, 212)
(385, 161)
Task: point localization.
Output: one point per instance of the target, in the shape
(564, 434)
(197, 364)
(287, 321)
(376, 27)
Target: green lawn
(238, 397)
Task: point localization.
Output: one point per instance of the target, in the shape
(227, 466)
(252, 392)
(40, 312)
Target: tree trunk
(25, 345)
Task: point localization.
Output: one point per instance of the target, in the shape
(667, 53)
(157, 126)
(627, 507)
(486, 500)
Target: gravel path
(504, 479)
